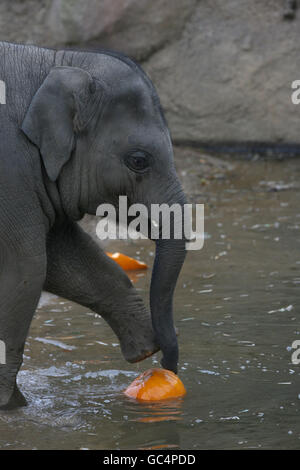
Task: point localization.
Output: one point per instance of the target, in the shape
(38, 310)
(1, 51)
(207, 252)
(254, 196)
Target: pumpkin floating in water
(126, 262)
(156, 384)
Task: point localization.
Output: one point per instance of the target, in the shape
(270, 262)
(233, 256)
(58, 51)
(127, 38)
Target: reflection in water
(160, 418)
(153, 412)
(161, 446)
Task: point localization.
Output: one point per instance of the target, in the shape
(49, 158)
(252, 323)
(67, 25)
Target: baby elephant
(79, 129)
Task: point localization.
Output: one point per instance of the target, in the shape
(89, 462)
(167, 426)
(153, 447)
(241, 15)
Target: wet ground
(237, 310)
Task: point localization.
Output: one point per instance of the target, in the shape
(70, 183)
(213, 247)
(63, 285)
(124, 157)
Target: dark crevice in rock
(244, 150)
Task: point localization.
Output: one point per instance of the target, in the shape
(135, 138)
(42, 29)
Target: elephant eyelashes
(137, 161)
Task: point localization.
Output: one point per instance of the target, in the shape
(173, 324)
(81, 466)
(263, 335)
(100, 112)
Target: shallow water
(237, 310)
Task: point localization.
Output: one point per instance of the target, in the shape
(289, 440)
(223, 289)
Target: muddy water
(237, 311)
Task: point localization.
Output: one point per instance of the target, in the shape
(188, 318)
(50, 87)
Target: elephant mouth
(138, 343)
(146, 353)
(142, 355)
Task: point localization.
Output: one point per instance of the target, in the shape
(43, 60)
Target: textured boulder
(136, 27)
(223, 69)
(228, 78)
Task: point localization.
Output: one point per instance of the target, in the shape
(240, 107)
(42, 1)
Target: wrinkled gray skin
(69, 121)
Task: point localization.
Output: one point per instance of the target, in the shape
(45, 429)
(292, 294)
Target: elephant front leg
(79, 270)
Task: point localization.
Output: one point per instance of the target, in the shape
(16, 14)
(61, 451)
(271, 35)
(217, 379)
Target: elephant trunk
(169, 258)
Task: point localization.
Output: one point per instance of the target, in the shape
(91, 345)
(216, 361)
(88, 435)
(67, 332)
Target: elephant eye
(137, 161)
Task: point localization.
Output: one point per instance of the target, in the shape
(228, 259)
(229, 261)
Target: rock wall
(223, 69)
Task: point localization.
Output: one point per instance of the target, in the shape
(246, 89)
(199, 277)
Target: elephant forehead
(130, 90)
(133, 91)
(122, 79)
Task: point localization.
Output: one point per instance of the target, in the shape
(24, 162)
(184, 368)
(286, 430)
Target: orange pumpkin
(126, 262)
(156, 384)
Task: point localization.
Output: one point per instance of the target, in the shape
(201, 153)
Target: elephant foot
(16, 400)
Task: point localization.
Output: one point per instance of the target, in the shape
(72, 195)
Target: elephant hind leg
(21, 282)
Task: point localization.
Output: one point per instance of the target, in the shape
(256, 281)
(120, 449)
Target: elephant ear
(63, 106)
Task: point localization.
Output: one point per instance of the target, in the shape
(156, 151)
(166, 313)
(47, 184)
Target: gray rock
(223, 69)
(136, 27)
(228, 78)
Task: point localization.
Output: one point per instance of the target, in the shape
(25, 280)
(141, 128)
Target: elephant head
(101, 134)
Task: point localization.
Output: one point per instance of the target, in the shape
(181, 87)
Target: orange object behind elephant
(126, 262)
